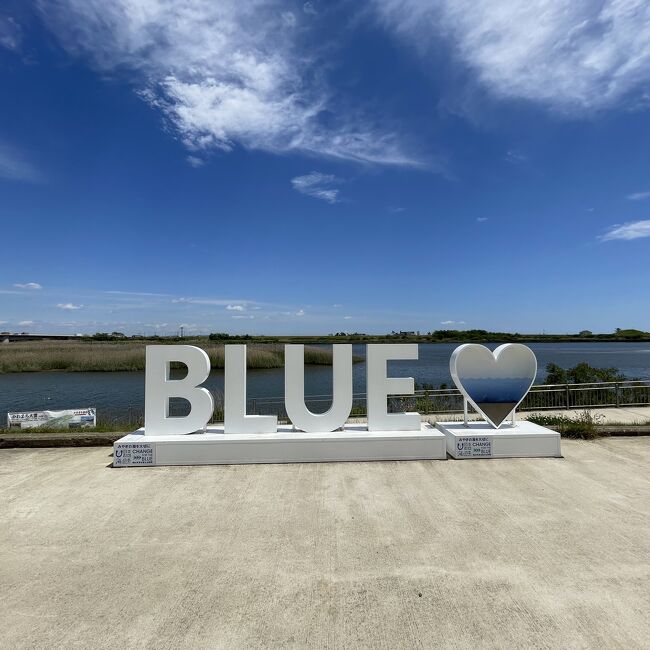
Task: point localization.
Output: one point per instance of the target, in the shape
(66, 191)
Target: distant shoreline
(128, 354)
(456, 337)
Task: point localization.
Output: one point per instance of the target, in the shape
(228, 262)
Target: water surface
(114, 394)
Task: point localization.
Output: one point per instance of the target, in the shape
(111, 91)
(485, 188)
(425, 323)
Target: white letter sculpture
(159, 388)
(379, 386)
(235, 418)
(494, 383)
(294, 390)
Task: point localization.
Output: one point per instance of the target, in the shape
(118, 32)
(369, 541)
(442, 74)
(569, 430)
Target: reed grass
(93, 356)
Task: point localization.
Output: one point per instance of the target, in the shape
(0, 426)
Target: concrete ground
(535, 553)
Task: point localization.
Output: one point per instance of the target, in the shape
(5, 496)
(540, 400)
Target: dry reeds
(93, 356)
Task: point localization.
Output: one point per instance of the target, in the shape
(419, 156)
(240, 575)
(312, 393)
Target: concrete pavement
(536, 553)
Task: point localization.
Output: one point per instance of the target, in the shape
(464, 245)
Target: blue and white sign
(70, 419)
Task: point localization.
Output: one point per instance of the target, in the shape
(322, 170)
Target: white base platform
(354, 443)
(480, 440)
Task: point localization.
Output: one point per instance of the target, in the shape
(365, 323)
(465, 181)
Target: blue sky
(290, 167)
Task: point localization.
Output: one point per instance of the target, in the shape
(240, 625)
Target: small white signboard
(474, 447)
(133, 453)
(70, 419)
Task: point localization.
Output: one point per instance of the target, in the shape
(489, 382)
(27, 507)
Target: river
(116, 394)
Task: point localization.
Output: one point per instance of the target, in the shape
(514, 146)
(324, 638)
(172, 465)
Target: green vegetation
(584, 426)
(128, 355)
(121, 426)
(583, 373)
(434, 336)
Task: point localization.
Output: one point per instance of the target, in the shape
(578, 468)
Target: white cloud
(69, 306)
(217, 302)
(481, 219)
(347, 317)
(235, 307)
(136, 293)
(572, 56)
(318, 185)
(627, 231)
(452, 322)
(10, 33)
(242, 317)
(195, 161)
(222, 73)
(14, 166)
(515, 157)
(25, 322)
(28, 285)
(309, 8)
(289, 18)
(638, 196)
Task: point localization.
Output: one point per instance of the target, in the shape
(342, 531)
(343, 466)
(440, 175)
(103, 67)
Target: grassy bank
(93, 356)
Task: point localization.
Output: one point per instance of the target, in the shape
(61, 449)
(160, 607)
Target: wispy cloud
(515, 157)
(572, 56)
(138, 293)
(452, 322)
(224, 74)
(320, 186)
(195, 161)
(15, 167)
(69, 306)
(638, 196)
(628, 231)
(217, 302)
(481, 219)
(28, 285)
(24, 323)
(235, 308)
(11, 34)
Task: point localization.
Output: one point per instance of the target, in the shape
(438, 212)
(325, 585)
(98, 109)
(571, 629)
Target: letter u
(294, 390)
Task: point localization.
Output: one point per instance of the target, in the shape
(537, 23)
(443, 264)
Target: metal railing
(443, 400)
(450, 400)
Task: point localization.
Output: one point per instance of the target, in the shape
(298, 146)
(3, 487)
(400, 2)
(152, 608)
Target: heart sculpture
(494, 383)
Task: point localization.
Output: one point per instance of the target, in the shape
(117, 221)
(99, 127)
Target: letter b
(159, 388)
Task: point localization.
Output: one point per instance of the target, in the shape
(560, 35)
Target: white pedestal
(354, 443)
(480, 440)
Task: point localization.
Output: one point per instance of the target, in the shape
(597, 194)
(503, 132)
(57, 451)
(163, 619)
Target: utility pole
(181, 331)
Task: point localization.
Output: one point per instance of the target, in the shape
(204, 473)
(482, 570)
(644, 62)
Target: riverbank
(129, 356)
(610, 422)
(543, 552)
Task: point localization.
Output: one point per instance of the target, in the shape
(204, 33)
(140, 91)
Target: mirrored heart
(494, 383)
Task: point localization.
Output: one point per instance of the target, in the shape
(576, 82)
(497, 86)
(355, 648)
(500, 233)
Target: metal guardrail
(448, 400)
